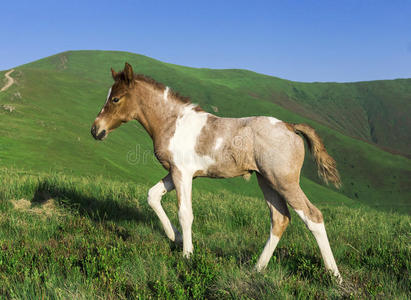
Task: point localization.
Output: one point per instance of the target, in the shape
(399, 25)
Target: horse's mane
(158, 85)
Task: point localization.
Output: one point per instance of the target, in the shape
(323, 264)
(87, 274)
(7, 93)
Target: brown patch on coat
(280, 225)
(177, 180)
(313, 213)
(297, 199)
(289, 126)
(279, 213)
(234, 157)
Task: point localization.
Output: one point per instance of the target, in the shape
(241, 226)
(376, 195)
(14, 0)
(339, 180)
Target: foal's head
(120, 105)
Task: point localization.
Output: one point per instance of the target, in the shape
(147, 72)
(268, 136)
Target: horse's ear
(113, 73)
(128, 72)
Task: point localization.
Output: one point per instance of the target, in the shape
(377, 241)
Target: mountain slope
(374, 111)
(57, 98)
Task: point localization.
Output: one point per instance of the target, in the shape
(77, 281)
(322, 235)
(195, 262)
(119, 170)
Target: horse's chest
(182, 145)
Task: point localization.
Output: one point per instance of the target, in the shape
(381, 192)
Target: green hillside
(374, 111)
(57, 98)
(74, 219)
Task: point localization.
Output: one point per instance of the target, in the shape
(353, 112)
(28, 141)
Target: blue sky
(297, 40)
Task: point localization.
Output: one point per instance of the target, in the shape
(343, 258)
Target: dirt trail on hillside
(10, 80)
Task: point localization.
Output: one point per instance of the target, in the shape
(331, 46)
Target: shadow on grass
(96, 208)
(101, 209)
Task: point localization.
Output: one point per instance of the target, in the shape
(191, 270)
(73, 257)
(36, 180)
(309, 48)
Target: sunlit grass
(99, 238)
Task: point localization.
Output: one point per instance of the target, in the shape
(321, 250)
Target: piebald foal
(190, 143)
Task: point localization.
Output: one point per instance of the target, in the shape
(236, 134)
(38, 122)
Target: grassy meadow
(75, 223)
(78, 237)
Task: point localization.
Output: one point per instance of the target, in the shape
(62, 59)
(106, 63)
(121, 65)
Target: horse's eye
(116, 100)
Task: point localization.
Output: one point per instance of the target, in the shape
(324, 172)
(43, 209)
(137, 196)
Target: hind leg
(280, 217)
(280, 156)
(313, 219)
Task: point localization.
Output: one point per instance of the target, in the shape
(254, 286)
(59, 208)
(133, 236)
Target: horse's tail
(327, 167)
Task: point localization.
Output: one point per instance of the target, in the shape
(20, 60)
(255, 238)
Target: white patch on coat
(267, 252)
(273, 120)
(185, 213)
(218, 143)
(108, 96)
(318, 230)
(165, 95)
(182, 144)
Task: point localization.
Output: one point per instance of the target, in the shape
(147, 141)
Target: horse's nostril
(93, 131)
(102, 134)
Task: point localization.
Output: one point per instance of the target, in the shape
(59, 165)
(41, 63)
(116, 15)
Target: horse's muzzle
(98, 136)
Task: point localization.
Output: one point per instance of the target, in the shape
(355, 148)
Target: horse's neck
(158, 111)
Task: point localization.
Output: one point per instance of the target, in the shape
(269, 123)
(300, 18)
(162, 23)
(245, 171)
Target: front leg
(183, 185)
(154, 200)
